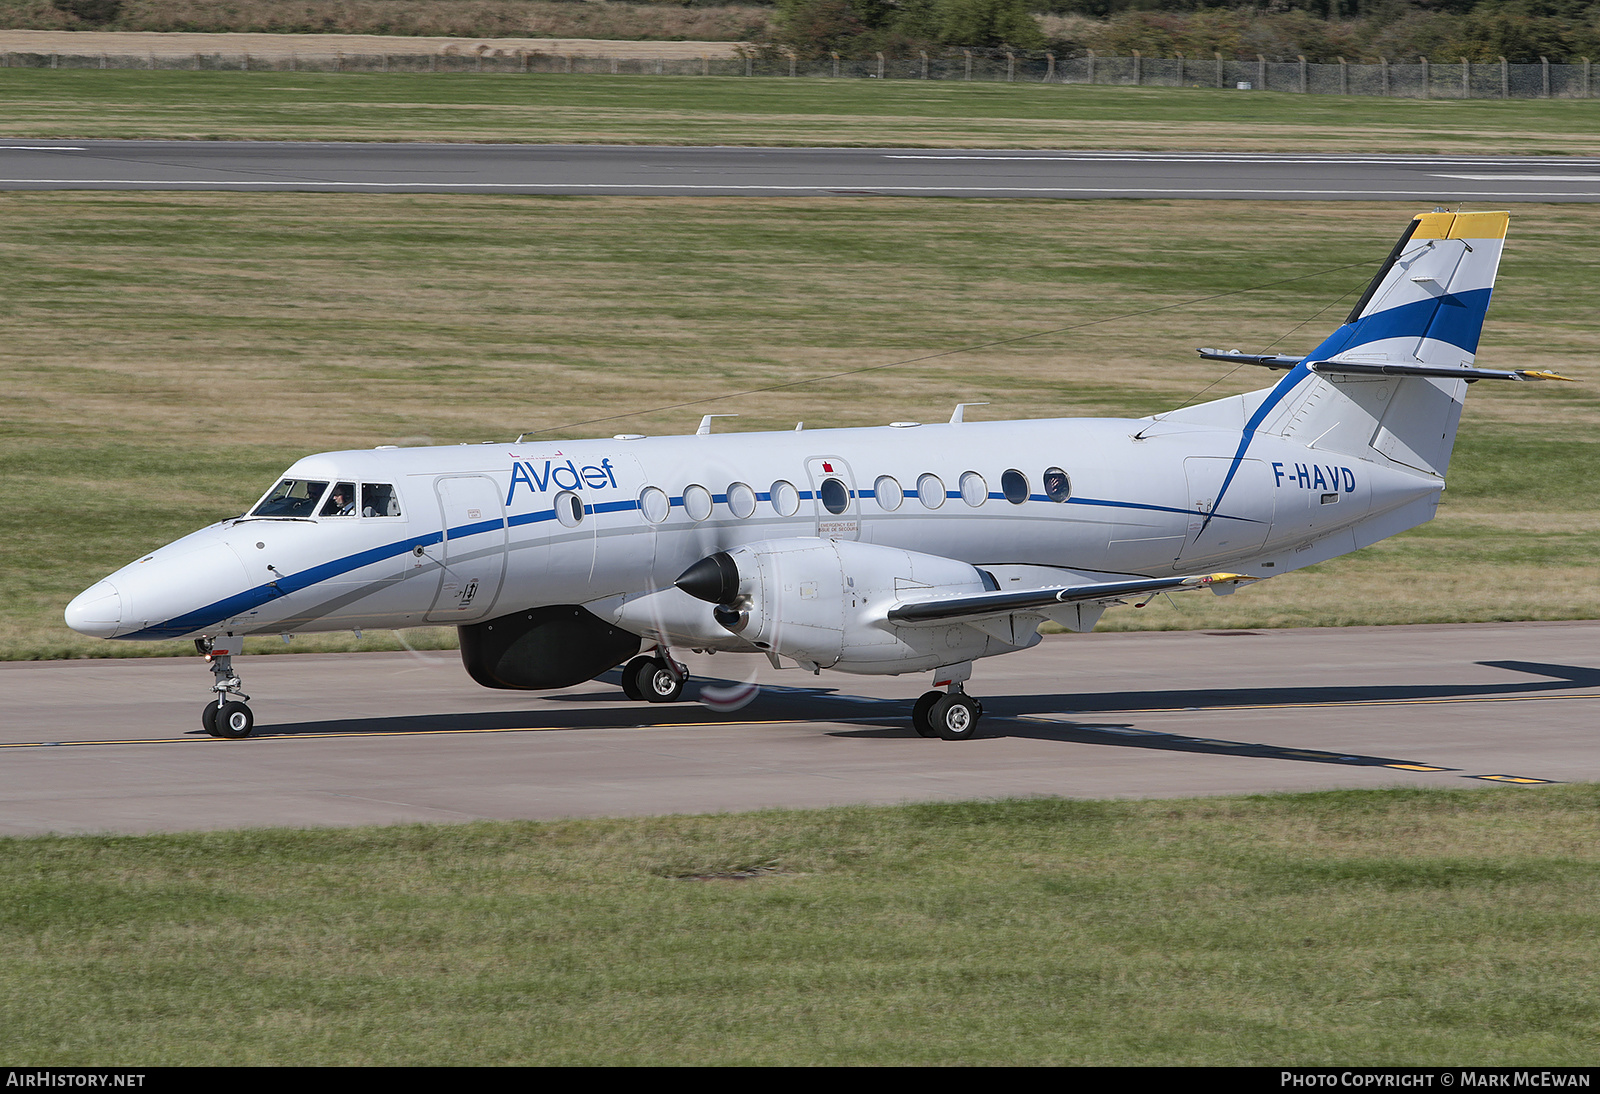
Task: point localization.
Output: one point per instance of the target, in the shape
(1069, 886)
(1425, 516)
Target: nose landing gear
(226, 715)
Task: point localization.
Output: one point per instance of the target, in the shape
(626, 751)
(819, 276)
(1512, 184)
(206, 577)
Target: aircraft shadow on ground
(1063, 717)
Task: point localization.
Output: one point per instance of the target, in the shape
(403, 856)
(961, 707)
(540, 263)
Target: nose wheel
(227, 715)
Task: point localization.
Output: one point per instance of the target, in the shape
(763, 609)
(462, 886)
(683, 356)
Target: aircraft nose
(96, 611)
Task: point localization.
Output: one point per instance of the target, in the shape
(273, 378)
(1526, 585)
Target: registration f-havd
(892, 550)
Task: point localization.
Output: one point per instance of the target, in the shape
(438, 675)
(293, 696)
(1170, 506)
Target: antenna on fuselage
(958, 416)
(705, 423)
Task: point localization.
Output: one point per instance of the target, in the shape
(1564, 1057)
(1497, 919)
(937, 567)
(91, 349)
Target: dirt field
(327, 45)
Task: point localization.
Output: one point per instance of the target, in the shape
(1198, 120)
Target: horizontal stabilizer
(1365, 368)
(981, 605)
(1265, 360)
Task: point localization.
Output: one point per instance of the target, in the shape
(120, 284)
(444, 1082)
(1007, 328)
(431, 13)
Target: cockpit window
(341, 501)
(291, 498)
(378, 500)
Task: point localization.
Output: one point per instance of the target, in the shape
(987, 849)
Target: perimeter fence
(1419, 80)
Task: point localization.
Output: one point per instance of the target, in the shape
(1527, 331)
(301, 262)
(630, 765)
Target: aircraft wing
(982, 605)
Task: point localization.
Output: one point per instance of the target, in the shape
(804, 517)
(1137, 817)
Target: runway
(244, 166)
(348, 739)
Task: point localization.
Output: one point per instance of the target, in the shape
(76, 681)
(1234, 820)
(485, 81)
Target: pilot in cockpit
(341, 501)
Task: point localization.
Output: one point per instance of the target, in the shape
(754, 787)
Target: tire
(208, 717)
(630, 681)
(656, 682)
(919, 714)
(955, 718)
(234, 721)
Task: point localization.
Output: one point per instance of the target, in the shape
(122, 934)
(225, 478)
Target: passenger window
(930, 491)
(697, 502)
(378, 500)
(835, 496)
(654, 504)
(974, 491)
(1057, 484)
(569, 508)
(1014, 485)
(741, 500)
(341, 501)
(887, 489)
(785, 498)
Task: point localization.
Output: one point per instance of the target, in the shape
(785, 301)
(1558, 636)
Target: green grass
(81, 103)
(167, 355)
(1351, 927)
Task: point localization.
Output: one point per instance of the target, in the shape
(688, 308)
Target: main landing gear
(655, 678)
(951, 715)
(226, 715)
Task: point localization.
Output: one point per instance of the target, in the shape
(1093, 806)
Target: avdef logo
(563, 476)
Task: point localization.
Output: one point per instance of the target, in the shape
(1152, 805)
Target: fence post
(569, 63)
(1138, 75)
(1218, 56)
(1261, 67)
(103, 60)
(1091, 66)
(1544, 63)
(749, 65)
(1011, 66)
(1302, 74)
(522, 55)
(294, 61)
(791, 65)
(1466, 78)
(835, 64)
(1383, 62)
(1505, 79)
(880, 66)
(968, 54)
(478, 67)
(246, 65)
(705, 65)
(1344, 77)
(1424, 61)
(924, 55)
(1586, 77)
(614, 68)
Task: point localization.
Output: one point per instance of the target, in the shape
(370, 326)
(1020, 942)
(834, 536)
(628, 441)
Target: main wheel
(919, 714)
(955, 718)
(630, 680)
(234, 720)
(656, 682)
(208, 717)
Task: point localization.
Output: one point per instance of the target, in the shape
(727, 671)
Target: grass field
(1370, 927)
(767, 111)
(167, 355)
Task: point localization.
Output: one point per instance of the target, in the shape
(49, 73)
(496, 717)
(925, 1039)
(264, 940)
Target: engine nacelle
(550, 647)
(824, 604)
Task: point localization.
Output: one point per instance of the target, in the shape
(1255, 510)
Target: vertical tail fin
(1425, 306)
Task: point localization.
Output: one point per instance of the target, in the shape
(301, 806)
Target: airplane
(905, 548)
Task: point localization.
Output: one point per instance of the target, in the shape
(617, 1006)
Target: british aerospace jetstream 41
(901, 549)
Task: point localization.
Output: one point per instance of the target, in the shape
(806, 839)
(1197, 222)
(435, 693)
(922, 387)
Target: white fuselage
(486, 530)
